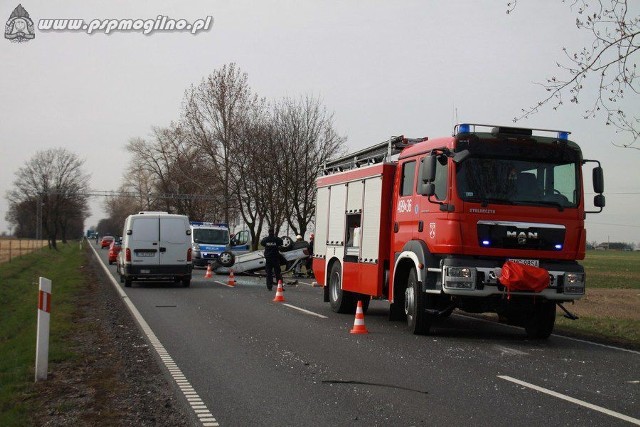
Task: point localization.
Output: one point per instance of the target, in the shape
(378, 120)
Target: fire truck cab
(429, 225)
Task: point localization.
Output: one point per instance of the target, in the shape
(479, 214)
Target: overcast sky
(383, 67)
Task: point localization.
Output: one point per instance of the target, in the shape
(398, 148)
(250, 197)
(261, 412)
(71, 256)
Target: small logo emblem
(19, 27)
(432, 230)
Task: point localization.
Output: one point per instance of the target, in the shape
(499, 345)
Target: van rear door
(145, 236)
(174, 240)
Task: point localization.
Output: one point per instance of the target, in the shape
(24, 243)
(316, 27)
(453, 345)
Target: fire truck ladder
(371, 155)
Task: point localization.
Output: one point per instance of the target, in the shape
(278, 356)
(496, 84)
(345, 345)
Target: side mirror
(428, 169)
(598, 181)
(461, 156)
(129, 232)
(598, 201)
(427, 176)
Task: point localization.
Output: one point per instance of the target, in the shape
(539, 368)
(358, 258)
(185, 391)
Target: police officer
(271, 244)
(309, 263)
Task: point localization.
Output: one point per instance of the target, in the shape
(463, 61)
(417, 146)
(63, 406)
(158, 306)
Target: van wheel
(186, 282)
(127, 282)
(418, 320)
(341, 301)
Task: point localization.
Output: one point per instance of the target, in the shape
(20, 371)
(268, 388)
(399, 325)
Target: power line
(614, 225)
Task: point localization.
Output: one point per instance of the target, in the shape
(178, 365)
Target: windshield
(210, 236)
(510, 181)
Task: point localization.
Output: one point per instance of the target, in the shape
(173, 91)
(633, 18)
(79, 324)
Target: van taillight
(127, 255)
(189, 255)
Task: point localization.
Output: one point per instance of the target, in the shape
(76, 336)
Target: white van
(155, 246)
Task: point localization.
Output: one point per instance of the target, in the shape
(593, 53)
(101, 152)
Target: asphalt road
(252, 361)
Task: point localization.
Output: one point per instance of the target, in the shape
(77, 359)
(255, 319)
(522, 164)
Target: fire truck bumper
(480, 278)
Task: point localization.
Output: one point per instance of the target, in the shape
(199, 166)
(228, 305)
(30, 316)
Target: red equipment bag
(521, 277)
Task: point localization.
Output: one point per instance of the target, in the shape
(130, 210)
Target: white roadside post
(42, 340)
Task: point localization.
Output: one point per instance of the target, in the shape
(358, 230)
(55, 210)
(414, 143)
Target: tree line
(231, 156)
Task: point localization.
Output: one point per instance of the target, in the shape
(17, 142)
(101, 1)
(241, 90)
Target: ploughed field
(12, 248)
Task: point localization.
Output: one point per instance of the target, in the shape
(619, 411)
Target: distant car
(106, 241)
(114, 249)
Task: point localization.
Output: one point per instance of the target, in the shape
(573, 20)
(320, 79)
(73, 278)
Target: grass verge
(18, 320)
(624, 332)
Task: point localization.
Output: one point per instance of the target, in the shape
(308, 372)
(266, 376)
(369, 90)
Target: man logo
(522, 236)
(19, 27)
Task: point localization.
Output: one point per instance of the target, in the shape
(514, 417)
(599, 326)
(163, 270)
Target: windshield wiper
(484, 201)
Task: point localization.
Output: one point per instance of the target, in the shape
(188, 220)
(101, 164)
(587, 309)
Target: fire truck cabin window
(408, 176)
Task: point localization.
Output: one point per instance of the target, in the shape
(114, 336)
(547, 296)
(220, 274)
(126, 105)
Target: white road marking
(223, 284)
(554, 335)
(509, 351)
(605, 411)
(305, 311)
(192, 397)
(598, 344)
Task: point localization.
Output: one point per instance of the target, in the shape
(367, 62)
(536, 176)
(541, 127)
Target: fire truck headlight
(460, 278)
(462, 272)
(574, 283)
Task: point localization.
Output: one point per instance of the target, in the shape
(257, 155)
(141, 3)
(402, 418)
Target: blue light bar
(464, 128)
(564, 136)
(486, 243)
(558, 247)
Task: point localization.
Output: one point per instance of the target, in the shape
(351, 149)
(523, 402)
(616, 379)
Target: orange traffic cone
(232, 279)
(279, 293)
(358, 323)
(208, 274)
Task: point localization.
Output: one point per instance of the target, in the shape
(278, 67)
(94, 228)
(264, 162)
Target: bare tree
(608, 65)
(306, 138)
(169, 166)
(53, 180)
(214, 113)
(251, 163)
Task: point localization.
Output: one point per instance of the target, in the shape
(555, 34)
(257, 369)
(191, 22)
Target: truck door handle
(420, 226)
(396, 227)
(163, 250)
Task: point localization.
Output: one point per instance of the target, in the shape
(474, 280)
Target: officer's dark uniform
(271, 244)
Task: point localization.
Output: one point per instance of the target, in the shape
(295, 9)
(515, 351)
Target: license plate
(145, 253)
(533, 262)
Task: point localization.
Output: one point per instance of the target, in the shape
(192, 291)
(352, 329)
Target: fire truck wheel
(418, 320)
(540, 324)
(341, 301)
(227, 259)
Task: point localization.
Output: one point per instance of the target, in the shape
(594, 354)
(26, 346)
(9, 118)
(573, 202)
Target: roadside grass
(623, 332)
(18, 321)
(607, 270)
(612, 269)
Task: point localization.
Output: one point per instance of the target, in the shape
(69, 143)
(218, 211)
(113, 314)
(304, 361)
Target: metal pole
(42, 340)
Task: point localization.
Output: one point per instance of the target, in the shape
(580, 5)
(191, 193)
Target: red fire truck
(432, 225)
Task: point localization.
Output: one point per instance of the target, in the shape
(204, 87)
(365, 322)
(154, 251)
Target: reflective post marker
(42, 340)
